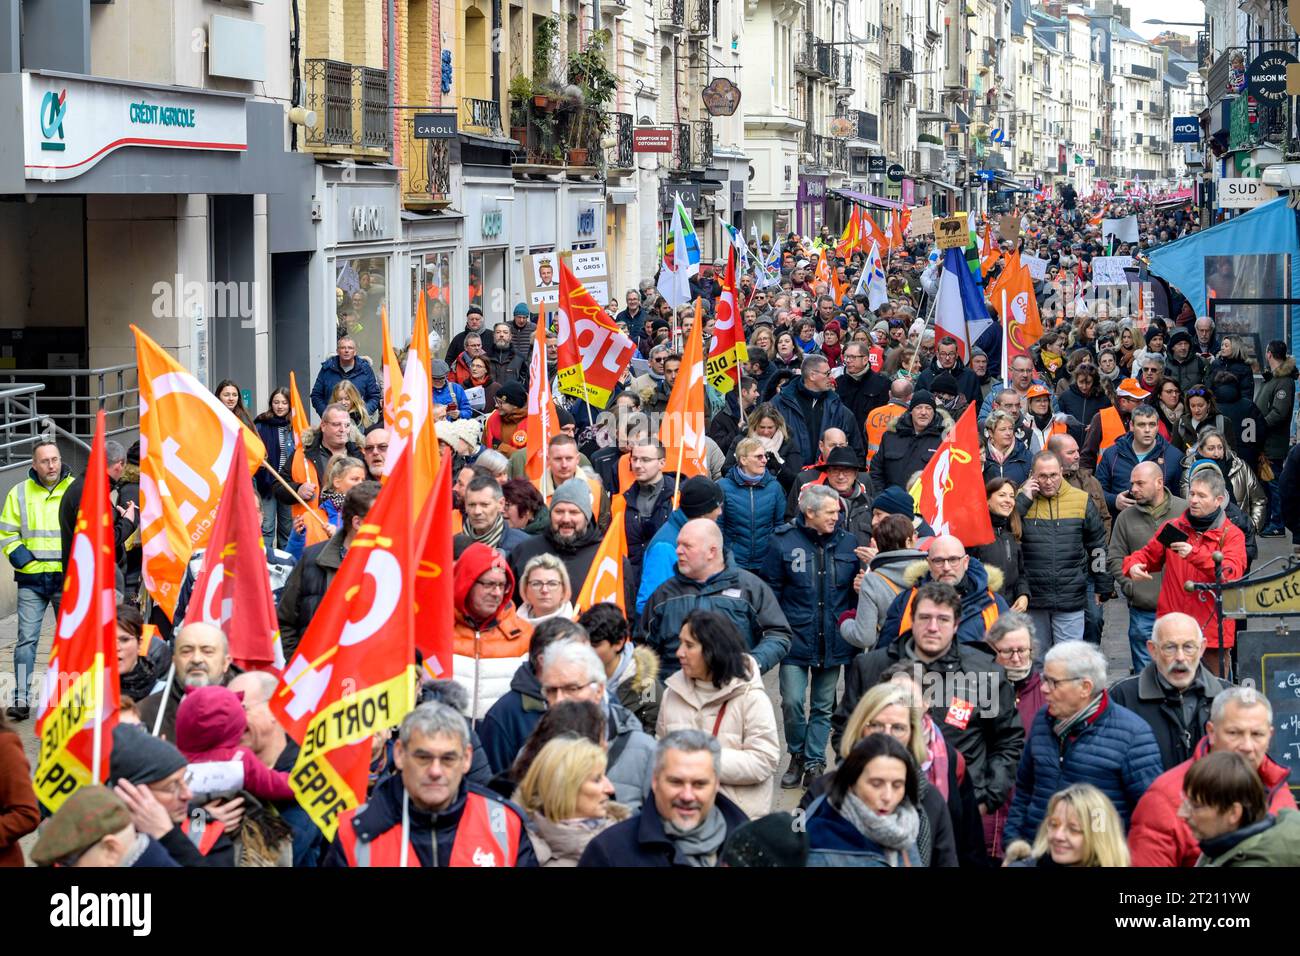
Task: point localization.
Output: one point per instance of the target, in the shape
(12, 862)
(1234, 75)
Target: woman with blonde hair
(346, 394)
(1081, 828)
(768, 425)
(567, 799)
(891, 708)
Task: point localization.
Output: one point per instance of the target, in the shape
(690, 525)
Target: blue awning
(869, 200)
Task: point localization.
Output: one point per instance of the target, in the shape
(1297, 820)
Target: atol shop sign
(69, 124)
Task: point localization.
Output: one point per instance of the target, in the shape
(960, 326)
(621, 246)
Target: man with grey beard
(1173, 693)
(201, 657)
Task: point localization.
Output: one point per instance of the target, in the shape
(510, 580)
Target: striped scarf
(1066, 725)
(492, 536)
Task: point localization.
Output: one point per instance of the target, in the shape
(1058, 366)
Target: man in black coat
(311, 576)
(810, 405)
(687, 821)
(968, 696)
(1174, 693)
(573, 536)
(909, 443)
(946, 360)
(859, 388)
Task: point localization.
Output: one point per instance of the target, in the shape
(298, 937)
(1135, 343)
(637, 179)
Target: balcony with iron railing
(1216, 81)
(808, 144)
(351, 106)
(619, 158)
(671, 15)
(699, 17)
(537, 130)
(840, 155)
(868, 126)
(805, 56)
(480, 116)
(701, 144)
(1147, 72)
(680, 158)
(426, 170)
(826, 60)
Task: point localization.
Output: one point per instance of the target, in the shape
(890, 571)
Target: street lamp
(1175, 23)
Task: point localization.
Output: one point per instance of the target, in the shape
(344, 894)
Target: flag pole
(1006, 340)
(297, 497)
(162, 707)
(97, 750)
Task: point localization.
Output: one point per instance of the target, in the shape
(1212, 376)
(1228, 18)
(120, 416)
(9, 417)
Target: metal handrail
(113, 388)
(18, 409)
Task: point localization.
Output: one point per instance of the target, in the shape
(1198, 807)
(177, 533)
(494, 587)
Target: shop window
(361, 292)
(1248, 277)
(431, 273)
(487, 282)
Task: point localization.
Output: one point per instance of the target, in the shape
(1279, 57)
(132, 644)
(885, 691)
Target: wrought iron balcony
(481, 115)
(840, 155)
(825, 59)
(702, 144)
(351, 105)
(672, 15)
(680, 158)
(700, 19)
(426, 176)
(868, 126)
(805, 56)
(538, 133)
(620, 156)
(898, 60)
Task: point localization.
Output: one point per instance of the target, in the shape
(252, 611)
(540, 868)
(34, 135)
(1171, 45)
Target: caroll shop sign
(71, 124)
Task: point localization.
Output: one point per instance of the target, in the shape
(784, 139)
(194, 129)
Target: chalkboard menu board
(1270, 662)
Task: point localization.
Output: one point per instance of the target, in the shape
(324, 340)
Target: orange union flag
(605, 579)
(187, 438)
(592, 351)
(950, 494)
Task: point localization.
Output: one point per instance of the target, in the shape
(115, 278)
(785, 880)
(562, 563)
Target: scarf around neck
(700, 846)
(1206, 523)
(895, 832)
(492, 536)
(936, 767)
(1066, 725)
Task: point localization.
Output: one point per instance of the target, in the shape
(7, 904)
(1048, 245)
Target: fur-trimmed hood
(940, 425)
(646, 669)
(978, 576)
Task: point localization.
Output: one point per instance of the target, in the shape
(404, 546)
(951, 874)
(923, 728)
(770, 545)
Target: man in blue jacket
(948, 563)
(448, 394)
(1142, 443)
(1081, 736)
(346, 366)
(810, 405)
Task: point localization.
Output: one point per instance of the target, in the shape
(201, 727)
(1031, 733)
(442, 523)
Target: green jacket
(1274, 841)
(1134, 527)
(30, 534)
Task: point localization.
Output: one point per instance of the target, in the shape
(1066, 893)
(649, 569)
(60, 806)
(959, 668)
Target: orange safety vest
(596, 490)
(205, 835)
(1112, 427)
(878, 421)
(488, 835)
(990, 613)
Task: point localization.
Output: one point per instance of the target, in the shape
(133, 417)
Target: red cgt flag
(80, 695)
(950, 492)
(234, 575)
(353, 674)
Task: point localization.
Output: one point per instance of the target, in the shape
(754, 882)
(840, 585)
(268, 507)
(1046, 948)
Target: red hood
(474, 562)
(209, 718)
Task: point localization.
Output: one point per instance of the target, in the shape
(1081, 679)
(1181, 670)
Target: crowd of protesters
(938, 703)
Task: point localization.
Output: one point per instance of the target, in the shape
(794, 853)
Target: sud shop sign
(71, 124)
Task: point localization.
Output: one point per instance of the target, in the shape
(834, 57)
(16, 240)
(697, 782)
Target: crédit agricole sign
(70, 124)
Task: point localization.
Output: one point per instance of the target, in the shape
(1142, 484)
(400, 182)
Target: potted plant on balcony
(929, 138)
(592, 86)
(545, 46)
(521, 92)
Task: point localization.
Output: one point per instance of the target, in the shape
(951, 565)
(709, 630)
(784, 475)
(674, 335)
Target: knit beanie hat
(140, 758)
(700, 496)
(576, 492)
(770, 841)
(895, 501)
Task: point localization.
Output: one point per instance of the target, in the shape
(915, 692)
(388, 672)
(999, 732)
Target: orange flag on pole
(392, 371)
(898, 224)
(1015, 297)
(187, 438)
(434, 601)
(543, 420)
(850, 238)
(80, 695)
(303, 471)
(989, 252)
(353, 674)
(950, 492)
(605, 579)
(682, 430)
(412, 414)
(728, 350)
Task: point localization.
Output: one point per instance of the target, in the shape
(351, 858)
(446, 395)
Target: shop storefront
(488, 204)
(432, 245)
(812, 205)
(535, 227)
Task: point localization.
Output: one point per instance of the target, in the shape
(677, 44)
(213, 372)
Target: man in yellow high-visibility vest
(32, 541)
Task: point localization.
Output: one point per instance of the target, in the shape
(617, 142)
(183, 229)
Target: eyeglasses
(568, 690)
(369, 447)
(424, 760)
(1050, 683)
(894, 730)
(1012, 653)
(1185, 650)
(499, 587)
(544, 585)
(935, 559)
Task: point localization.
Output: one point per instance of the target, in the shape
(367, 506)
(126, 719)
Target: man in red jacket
(1241, 721)
(1203, 529)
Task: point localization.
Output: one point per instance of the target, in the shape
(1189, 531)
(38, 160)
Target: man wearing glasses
(375, 451)
(967, 695)
(1241, 722)
(1081, 736)
(1173, 693)
(571, 670)
(948, 563)
(428, 814)
(810, 405)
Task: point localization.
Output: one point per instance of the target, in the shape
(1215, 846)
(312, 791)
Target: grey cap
(576, 492)
(438, 369)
